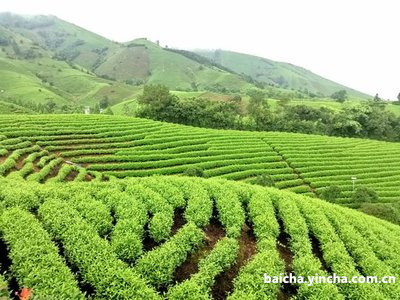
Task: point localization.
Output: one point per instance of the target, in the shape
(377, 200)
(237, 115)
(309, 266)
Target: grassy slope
(63, 37)
(138, 60)
(42, 78)
(148, 62)
(127, 63)
(178, 72)
(144, 61)
(283, 74)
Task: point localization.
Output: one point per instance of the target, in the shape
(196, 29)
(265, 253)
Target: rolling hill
(31, 75)
(276, 73)
(138, 61)
(36, 48)
(122, 147)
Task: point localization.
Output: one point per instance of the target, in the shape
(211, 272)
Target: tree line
(369, 119)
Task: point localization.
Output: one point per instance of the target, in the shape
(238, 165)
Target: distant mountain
(139, 61)
(43, 58)
(282, 74)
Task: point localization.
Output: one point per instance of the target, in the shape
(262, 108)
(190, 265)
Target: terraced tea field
(173, 237)
(77, 147)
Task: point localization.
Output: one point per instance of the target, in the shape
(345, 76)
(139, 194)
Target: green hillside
(31, 75)
(138, 61)
(125, 147)
(141, 61)
(276, 73)
(65, 40)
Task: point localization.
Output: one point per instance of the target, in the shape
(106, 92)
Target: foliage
(199, 285)
(367, 120)
(364, 194)
(92, 255)
(331, 193)
(196, 172)
(230, 211)
(84, 148)
(70, 214)
(340, 96)
(264, 180)
(158, 266)
(35, 258)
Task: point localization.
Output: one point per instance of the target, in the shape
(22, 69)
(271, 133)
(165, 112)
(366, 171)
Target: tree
(264, 180)
(50, 106)
(331, 193)
(340, 96)
(377, 98)
(96, 109)
(103, 104)
(158, 103)
(256, 97)
(127, 110)
(108, 111)
(364, 194)
(194, 172)
(398, 97)
(237, 98)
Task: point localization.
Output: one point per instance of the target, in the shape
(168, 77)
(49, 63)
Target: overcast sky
(353, 42)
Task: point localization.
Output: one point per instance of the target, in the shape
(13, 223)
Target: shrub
(364, 194)
(158, 266)
(331, 193)
(35, 259)
(264, 180)
(92, 255)
(194, 172)
(387, 211)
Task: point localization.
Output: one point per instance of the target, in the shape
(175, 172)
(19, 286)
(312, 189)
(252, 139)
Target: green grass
(394, 108)
(43, 79)
(126, 107)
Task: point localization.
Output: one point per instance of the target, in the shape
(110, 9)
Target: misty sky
(353, 42)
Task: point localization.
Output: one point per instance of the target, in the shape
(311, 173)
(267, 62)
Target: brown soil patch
(148, 243)
(316, 249)
(179, 220)
(53, 172)
(3, 158)
(71, 176)
(35, 168)
(37, 159)
(213, 233)
(88, 177)
(20, 161)
(19, 164)
(283, 246)
(247, 248)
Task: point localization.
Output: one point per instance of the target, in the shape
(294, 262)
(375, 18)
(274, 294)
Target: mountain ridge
(241, 66)
(49, 56)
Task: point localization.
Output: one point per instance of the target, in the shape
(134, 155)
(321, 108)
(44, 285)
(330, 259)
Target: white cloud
(349, 41)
